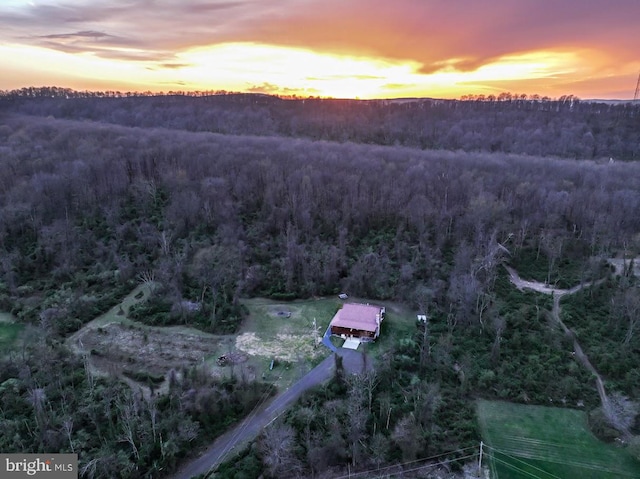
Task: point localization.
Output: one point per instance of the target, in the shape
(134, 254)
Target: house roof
(357, 316)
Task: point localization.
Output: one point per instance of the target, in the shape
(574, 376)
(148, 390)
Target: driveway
(326, 340)
(224, 446)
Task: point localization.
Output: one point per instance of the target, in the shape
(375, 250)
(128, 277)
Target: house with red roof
(356, 320)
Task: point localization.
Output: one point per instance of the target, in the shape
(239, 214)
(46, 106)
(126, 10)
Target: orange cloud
(588, 45)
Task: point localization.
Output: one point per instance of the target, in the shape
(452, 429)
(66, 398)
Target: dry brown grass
(286, 347)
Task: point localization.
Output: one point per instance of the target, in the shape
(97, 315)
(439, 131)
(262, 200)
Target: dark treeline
(564, 127)
(89, 208)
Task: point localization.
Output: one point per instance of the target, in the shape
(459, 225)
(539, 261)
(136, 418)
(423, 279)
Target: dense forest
(221, 197)
(507, 123)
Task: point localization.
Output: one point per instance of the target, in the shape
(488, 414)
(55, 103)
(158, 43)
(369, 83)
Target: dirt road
(557, 294)
(225, 446)
(545, 288)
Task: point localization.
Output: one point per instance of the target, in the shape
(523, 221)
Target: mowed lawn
(267, 318)
(548, 443)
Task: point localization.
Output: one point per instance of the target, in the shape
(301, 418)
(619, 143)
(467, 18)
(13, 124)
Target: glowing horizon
(350, 52)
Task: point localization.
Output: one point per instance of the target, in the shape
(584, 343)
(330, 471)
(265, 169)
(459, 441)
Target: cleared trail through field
(558, 294)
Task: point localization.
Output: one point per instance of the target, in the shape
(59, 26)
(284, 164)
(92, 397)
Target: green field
(547, 443)
(9, 331)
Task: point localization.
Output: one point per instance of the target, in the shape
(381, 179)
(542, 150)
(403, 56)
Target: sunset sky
(330, 48)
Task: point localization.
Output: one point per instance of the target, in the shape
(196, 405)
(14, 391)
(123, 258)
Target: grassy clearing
(118, 314)
(279, 331)
(268, 318)
(543, 442)
(284, 331)
(9, 333)
(131, 350)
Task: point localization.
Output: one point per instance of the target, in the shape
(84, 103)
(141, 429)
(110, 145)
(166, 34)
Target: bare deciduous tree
(277, 445)
(626, 306)
(407, 437)
(620, 411)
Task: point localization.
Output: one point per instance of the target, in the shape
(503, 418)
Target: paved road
(223, 447)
